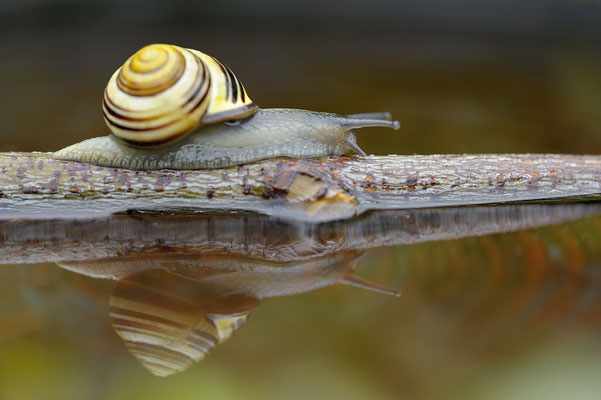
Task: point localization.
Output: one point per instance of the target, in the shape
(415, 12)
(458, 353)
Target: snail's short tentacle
(351, 142)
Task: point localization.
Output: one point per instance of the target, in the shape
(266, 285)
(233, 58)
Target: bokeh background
(461, 76)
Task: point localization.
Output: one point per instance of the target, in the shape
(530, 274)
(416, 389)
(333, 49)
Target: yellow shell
(163, 92)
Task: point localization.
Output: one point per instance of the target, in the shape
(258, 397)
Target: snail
(178, 108)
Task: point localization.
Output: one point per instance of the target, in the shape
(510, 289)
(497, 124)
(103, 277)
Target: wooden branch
(35, 185)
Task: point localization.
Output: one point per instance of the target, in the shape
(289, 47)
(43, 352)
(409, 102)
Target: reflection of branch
(260, 237)
(315, 189)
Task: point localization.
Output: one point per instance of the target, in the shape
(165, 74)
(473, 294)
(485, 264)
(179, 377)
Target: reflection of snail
(171, 311)
(163, 93)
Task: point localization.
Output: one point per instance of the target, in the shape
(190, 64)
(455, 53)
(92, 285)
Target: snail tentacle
(373, 115)
(353, 123)
(356, 281)
(352, 143)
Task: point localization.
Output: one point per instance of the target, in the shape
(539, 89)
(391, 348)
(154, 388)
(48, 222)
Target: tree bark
(35, 185)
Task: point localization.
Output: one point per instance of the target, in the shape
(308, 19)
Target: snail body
(169, 107)
(266, 134)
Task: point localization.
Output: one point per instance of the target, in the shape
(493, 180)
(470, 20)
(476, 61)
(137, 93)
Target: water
(495, 300)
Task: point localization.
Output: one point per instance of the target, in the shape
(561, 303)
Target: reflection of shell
(166, 323)
(171, 311)
(163, 92)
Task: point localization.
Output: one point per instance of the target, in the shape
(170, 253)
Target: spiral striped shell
(163, 92)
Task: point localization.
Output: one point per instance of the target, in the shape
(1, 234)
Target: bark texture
(35, 185)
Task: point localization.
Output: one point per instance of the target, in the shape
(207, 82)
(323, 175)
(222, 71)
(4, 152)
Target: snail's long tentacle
(354, 280)
(353, 123)
(374, 115)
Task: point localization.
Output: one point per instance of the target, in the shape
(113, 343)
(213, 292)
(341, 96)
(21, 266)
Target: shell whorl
(163, 92)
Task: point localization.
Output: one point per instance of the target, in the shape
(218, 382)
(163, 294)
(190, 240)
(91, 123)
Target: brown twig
(35, 185)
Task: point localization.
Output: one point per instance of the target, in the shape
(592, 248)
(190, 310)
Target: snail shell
(163, 92)
(170, 107)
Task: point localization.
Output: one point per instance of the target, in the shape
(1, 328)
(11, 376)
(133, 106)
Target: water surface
(495, 300)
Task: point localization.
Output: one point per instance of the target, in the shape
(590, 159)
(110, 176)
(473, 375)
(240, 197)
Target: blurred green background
(504, 316)
(461, 76)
